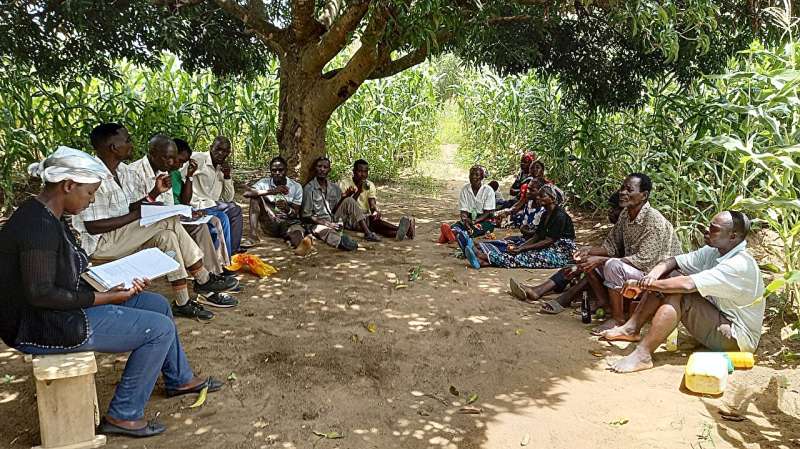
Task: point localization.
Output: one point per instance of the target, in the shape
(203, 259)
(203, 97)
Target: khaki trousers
(167, 235)
(214, 259)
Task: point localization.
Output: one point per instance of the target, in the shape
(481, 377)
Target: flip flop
(469, 252)
(517, 291)
(555, 307)
(152, 428)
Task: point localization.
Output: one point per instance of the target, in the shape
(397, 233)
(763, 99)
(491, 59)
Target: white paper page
(202, 220)
(150, 263)
(152, 214)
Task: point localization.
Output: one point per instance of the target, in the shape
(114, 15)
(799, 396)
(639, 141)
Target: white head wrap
(69, 163)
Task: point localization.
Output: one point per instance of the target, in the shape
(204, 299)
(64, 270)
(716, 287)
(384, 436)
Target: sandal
(152, 428)
(551, 307)
(212, 384)
(517, 291)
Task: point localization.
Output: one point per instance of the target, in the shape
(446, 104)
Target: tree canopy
(603, 50)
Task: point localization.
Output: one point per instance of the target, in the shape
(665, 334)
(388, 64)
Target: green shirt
(177, 185)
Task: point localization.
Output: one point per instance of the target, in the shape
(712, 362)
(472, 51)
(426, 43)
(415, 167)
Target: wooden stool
(67, 401)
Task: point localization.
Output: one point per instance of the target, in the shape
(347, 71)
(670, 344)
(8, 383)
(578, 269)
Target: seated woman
(49, 309)
(526, 211)
(522, 178)
(561, 280)
(551, 247)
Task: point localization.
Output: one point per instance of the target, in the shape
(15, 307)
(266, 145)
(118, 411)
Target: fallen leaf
(355, 338)
(309, 355)
(525, 440)
(596, 353)
(232, 377)
(619, 422)
(399, 286)
(329, 435)
(472, 398)
(372, 328)
(517, 331)
(469, 410)
(201, 398)
(454, 391)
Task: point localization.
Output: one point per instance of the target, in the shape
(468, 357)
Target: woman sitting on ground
(559, 282)
(49, 309)
(526, 212)
(476, 206)
(551, 247)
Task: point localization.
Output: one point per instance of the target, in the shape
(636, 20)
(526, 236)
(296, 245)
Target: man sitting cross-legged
(110, 227)
(275, 204)
(361, 189)
(638, 241)
(717, 299)
(159, 160)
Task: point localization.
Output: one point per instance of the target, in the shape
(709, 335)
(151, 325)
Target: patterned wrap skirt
(557, 255)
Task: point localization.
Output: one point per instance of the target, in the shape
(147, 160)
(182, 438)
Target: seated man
(717, 299)
(275, 204)
(476, 205)
(361, 189)
(212, 191)
(638, 241)
(328, 212)
(110, 228)
(159, 160)
(181, 174)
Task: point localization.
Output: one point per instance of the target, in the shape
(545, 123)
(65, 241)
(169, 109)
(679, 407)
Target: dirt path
(305, 361)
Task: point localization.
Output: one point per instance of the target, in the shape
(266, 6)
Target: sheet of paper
(152, 214)
(202, 220)
(149, 263)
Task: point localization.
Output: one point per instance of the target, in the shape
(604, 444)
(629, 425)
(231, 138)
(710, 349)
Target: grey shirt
(318, 203)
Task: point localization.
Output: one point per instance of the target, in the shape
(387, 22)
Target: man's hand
(647, 281)
(191, 168)
(197, 214)
(226, 170)
(631, 289)
(589, 263)
(281, 190)
(581, 253)
(334, 226)
(163, 184)
(376, 214)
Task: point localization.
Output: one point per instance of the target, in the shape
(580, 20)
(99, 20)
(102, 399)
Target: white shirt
(208, 184)
(476, 204)
(734, 284)
(295, 195)
(146, 180)
(110, 200)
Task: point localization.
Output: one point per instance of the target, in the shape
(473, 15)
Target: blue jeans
(144, 326)
(230, 214)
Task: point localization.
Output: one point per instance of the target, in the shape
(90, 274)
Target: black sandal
(152, 428)
(213, 385)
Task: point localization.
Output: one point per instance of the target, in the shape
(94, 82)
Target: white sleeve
(296, 194)
(695, 261)
(489, 202)
(463, 201)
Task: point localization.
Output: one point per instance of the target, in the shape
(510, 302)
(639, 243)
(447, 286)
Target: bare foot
(638, 360)
(608, 324)
(620, 333)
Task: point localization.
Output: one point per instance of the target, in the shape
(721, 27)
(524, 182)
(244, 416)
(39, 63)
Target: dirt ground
(305, 360)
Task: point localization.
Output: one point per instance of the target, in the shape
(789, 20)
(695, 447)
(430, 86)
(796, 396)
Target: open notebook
(149, 263)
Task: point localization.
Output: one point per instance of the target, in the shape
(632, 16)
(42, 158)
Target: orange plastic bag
(252, 263)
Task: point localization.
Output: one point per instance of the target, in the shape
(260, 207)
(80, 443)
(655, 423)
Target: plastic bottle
(672, 341)
(741, 360)
(586, 311)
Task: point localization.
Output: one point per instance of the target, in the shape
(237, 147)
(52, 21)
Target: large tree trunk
(304, 112)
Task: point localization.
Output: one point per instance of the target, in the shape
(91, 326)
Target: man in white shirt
(161, 157)
(110, 227)
(476, 203)
(212, 191)
(718, 299)
(275, 204)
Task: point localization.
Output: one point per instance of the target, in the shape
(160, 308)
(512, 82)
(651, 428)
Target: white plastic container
(707, 372)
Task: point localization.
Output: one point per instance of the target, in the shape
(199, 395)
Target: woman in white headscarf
(46, 308)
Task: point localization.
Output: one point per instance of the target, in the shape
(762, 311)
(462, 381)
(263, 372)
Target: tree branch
(509, 19)
(271, 35)
(303, 21)
(335, 39)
